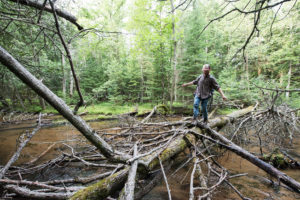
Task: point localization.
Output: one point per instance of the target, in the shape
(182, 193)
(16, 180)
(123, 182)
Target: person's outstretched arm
(222, 94)
(186, 84)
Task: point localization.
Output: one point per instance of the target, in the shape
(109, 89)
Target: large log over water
(22, 73)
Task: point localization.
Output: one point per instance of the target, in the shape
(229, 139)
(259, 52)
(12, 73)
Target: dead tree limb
(42, 154)
(165, 178)
(128, 190)
(24, 139)
(81, 101)
(148, 117)
(253, 159)
(191, 193)
(24, 192)
(39, 184)
(35, 4)
(82, 180)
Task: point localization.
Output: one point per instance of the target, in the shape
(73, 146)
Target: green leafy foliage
(126, 55)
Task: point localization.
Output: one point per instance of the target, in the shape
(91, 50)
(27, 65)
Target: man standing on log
(206, 83)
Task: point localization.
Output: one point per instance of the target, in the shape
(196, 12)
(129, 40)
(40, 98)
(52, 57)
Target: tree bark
(173, 59)
(247, 71)
(128, 190)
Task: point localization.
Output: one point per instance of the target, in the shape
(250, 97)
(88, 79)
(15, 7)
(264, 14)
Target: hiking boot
(205, 122)
(195, 120)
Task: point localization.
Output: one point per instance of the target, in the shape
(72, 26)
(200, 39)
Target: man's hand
(187, 84)
(224, 98)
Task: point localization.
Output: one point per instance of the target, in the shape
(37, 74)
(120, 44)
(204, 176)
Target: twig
(41, 155)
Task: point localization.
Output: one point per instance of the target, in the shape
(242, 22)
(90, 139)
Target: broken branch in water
(21, 143)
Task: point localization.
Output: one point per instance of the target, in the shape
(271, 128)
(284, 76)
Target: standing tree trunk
(64, 76)
(247, 71)
(173, 58)
(142, 80)
(71, 84)
(287, 94)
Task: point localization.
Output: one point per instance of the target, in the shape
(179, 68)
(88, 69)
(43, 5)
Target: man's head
(206, 69)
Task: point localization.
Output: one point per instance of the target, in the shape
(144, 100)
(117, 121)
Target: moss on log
(103, 188)
(115, 182)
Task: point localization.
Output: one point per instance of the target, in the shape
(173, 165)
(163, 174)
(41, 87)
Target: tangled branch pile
(148, 149)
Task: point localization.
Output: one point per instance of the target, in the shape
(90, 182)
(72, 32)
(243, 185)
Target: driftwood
(128, 190)
(36, 195)
(150, 114)
(39, 184)
(177, 136)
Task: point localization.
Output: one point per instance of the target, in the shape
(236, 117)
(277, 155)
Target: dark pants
(203, 107)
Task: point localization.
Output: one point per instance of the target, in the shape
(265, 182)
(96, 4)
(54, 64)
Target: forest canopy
(143, 50)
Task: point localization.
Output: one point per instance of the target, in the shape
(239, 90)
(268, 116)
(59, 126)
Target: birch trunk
(287, 94)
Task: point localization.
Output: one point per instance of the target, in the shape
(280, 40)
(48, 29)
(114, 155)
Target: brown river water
(250, 186)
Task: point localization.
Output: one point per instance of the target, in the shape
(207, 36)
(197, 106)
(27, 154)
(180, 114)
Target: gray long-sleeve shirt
(205, 86)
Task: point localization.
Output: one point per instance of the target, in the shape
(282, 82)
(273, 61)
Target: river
(250, 186)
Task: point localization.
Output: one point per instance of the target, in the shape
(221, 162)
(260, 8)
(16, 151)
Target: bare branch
(81, 101)
(40, 6)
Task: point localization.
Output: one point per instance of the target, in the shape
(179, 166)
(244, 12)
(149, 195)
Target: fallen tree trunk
(151, 161)
(252, 158)
(14, 66)
(103, 188)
